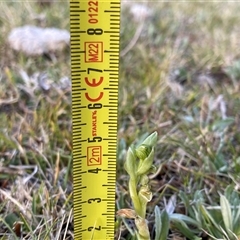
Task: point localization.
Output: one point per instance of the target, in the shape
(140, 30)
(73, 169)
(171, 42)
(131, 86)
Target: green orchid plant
(139, 163)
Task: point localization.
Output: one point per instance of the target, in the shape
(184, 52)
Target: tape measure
(95, 31)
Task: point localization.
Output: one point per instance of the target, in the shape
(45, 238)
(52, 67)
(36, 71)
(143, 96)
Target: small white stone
(32, 40)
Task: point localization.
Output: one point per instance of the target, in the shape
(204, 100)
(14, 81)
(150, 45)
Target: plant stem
(134, 197)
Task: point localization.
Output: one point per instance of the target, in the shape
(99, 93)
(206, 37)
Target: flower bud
(144, 180)
(153, 169)
(146, 164)
(143, 151)
(145, 195)
(142, 227)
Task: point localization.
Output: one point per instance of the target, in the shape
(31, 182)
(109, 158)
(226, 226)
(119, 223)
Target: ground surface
(179, 69)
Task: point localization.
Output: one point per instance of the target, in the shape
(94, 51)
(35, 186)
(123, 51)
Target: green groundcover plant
(139, 163)
(217, 222)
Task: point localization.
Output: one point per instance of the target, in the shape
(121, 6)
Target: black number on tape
(95, 106)
(94, 31)
(95, 228)
(95, 139)
(98, 200)
(95, 170)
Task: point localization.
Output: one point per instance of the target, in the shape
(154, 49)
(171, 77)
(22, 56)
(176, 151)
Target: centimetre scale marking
(95, 31)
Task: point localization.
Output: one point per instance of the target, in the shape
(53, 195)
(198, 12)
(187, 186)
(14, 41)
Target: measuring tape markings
(95, 27)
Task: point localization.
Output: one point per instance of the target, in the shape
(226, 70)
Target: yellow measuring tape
(95, 30)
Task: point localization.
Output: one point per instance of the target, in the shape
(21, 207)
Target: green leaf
(228, 191)
(221, 125)
(184, 218)
(198, 216)
(151, 140)
(130, 163)
(186, 203)
(184, 229)
(208, 219)
(236, 220)
(165, 225)
(226, 212)
(158, 222)
(162, 223)
(7, 224)
(11, 219)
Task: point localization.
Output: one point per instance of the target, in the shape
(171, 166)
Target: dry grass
(35, 142)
